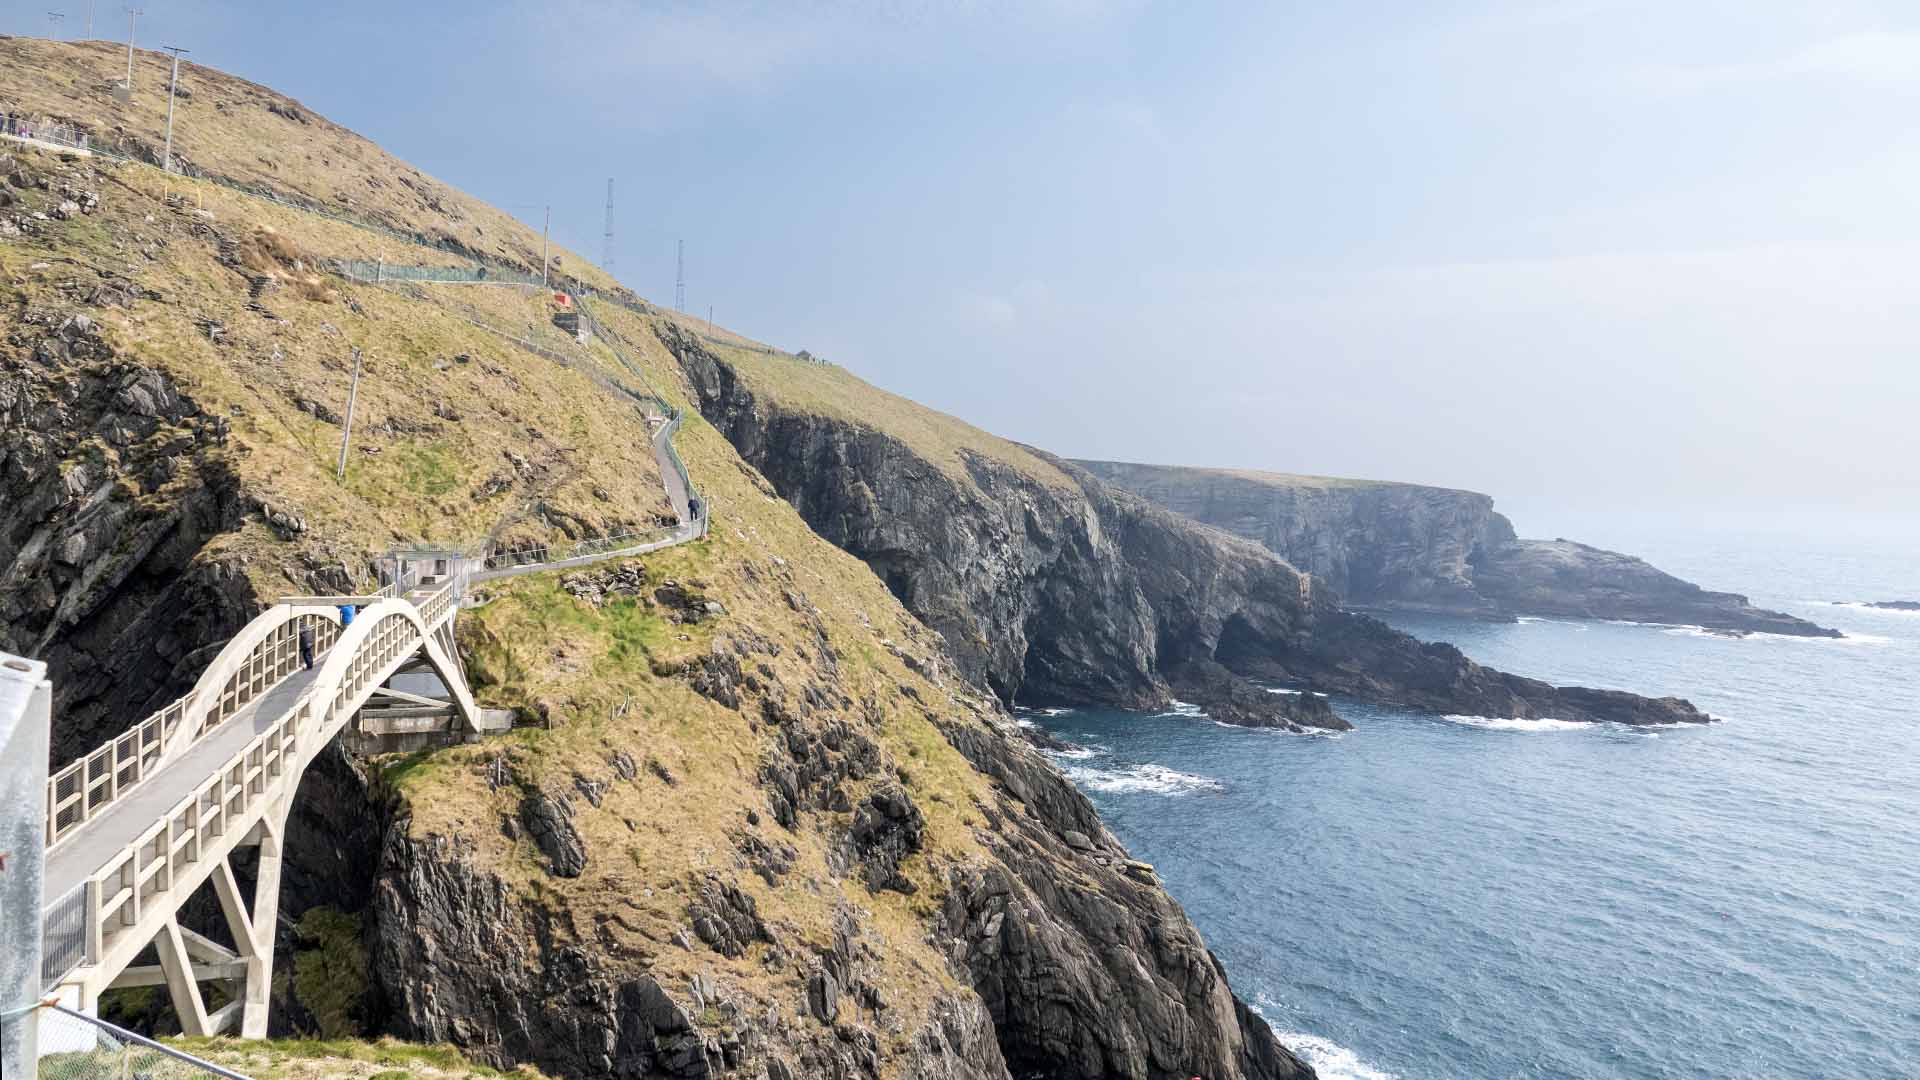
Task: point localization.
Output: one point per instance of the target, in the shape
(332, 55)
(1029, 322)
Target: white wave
(1696, 631)
(1021, 721)
(1079, 753)
(1152, 779)
(1280, 690)
(1496, 723)
(1183, 708)
(1331, 1060)
(1317, 732)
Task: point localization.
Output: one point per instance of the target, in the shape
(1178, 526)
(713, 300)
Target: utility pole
(53, 25)
(606, 239)
(346, 431)
(133, 17)
(546, 231)
(709, 320)
(166, 160)
(89, 20)
(680, 278)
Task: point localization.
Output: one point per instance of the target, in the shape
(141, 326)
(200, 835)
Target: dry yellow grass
(503, 443)
(227, 126)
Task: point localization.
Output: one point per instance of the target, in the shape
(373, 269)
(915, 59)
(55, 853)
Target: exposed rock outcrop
(113, 482)
(1077, 592)
(1408, 547)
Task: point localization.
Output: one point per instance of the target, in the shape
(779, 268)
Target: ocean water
(1430, 898)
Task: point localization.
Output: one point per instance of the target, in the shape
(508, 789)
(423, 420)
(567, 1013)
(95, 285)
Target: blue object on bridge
(346, 615)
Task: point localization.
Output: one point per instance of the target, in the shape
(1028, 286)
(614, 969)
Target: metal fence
(74, 1046)
(46, 131)
(379, 272)
(63, 936)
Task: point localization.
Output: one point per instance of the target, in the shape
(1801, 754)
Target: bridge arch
(220, 776)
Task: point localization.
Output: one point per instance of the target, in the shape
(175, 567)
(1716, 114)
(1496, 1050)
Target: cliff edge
(1409, 547)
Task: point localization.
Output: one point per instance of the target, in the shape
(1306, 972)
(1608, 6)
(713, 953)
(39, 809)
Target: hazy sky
(1593, 254)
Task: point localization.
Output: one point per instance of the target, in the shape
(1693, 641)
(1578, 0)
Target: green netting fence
(67, 1045)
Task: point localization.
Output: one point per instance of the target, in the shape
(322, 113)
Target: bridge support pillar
(182, 987)
(252, 925)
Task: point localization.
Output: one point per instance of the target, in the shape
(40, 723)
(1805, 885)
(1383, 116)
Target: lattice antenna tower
(680, 277)
(606, 237)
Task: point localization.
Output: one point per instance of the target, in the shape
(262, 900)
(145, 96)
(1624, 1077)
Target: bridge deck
(123, 820)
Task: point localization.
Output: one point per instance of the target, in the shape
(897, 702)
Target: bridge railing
(77, 791)
(83, 788)
(436, 606)
(181, 846)
(174, 847)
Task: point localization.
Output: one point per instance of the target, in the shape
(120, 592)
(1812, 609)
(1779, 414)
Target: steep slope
(754, 826)
(1408, 547)
(1052, 587)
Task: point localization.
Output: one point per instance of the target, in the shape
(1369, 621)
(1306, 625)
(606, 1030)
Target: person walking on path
(346, 615)
(306, 646)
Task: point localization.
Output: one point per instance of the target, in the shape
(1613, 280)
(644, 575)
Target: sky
(1579, 254)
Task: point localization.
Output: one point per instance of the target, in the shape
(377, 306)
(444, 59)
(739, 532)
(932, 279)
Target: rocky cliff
(1050, 586)
(768, 835)
(1407, 547)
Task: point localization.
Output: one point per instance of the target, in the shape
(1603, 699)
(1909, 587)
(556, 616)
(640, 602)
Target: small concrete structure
(425, 566)
(25, 729)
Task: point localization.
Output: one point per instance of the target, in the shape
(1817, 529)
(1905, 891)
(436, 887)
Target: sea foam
(1150, 779)
(1331, 1060)
(1511, 723)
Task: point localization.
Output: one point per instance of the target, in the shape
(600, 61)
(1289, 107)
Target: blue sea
(1458, 898)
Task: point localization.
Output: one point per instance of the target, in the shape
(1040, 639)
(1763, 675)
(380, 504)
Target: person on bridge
(306, 646)
(346, 615)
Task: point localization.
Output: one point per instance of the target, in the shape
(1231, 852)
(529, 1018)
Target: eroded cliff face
(780, 839)
(1408, 547)
(1079, 592)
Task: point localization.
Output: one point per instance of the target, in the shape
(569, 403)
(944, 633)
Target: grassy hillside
(233, 128)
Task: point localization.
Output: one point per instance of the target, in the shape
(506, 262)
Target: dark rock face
(98, 542)
(1052, 595)
(549, 820)
(1409, 547)
(1086, 968)
(1233, 700)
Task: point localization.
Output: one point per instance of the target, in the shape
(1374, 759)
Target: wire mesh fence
(477, 274)
(46, 131)
(74, 1046)
(63, 935)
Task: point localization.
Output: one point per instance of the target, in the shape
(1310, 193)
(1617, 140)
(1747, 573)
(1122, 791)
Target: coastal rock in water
(1408, 547)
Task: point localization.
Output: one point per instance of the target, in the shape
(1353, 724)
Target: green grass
(330, 971)
(299, 1059)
